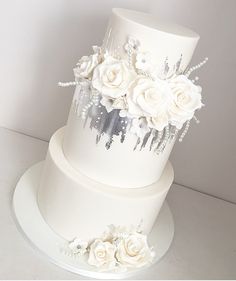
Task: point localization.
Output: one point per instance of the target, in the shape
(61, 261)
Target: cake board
(33, 227)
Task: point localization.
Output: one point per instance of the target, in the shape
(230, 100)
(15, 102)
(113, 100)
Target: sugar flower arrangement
(154, 102)
(118, 249)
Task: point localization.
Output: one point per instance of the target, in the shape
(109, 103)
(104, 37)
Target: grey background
(42, 40)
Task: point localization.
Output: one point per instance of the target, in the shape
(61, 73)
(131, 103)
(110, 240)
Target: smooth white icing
(120, 166)
(76, 206)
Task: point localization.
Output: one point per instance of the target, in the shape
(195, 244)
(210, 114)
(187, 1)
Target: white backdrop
(42, 40)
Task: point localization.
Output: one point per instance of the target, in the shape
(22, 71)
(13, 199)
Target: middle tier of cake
(74, 205)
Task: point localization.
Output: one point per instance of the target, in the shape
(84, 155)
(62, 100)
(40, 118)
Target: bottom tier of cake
(74, 205)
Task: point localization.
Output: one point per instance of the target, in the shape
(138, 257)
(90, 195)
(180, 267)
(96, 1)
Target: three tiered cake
(107, 173)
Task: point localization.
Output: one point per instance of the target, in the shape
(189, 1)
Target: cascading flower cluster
(133, 94)
(132, 86)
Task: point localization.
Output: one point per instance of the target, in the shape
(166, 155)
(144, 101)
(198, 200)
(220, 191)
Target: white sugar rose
(147, 97)
(158, 122)
(112, 77)
(86, 65)
(186, 98)
(133, 251)
(102, 255)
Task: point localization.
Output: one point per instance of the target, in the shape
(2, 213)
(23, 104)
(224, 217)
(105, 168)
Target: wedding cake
(106, 174)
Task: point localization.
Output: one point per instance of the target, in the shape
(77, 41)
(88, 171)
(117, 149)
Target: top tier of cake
(161, 40)
(103, 145)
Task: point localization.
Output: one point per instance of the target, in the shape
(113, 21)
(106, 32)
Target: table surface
(204, 245)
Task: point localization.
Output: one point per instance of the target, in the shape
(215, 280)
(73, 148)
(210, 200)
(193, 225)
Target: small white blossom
(143, 62)
(78, 246)
(132, 45)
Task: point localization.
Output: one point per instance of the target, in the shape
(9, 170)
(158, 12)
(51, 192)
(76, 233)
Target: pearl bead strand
(130, 54)
(94, 101)
(174, 132)
(85, 110)
(184, 131)
(67, 84)
(95, 98)
(193, 68)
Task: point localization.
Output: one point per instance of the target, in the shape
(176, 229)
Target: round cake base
(43, 238)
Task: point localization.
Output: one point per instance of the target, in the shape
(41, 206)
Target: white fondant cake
(109, 165)
(76, 206)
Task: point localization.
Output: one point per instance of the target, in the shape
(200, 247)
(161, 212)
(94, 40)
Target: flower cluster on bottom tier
(118, 248)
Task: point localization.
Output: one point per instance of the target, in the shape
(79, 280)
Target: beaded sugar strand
(67, 84)
(94, 101)
(184, 131)
(193, 68)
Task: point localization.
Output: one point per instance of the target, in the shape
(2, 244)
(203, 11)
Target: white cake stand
(43, 238)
